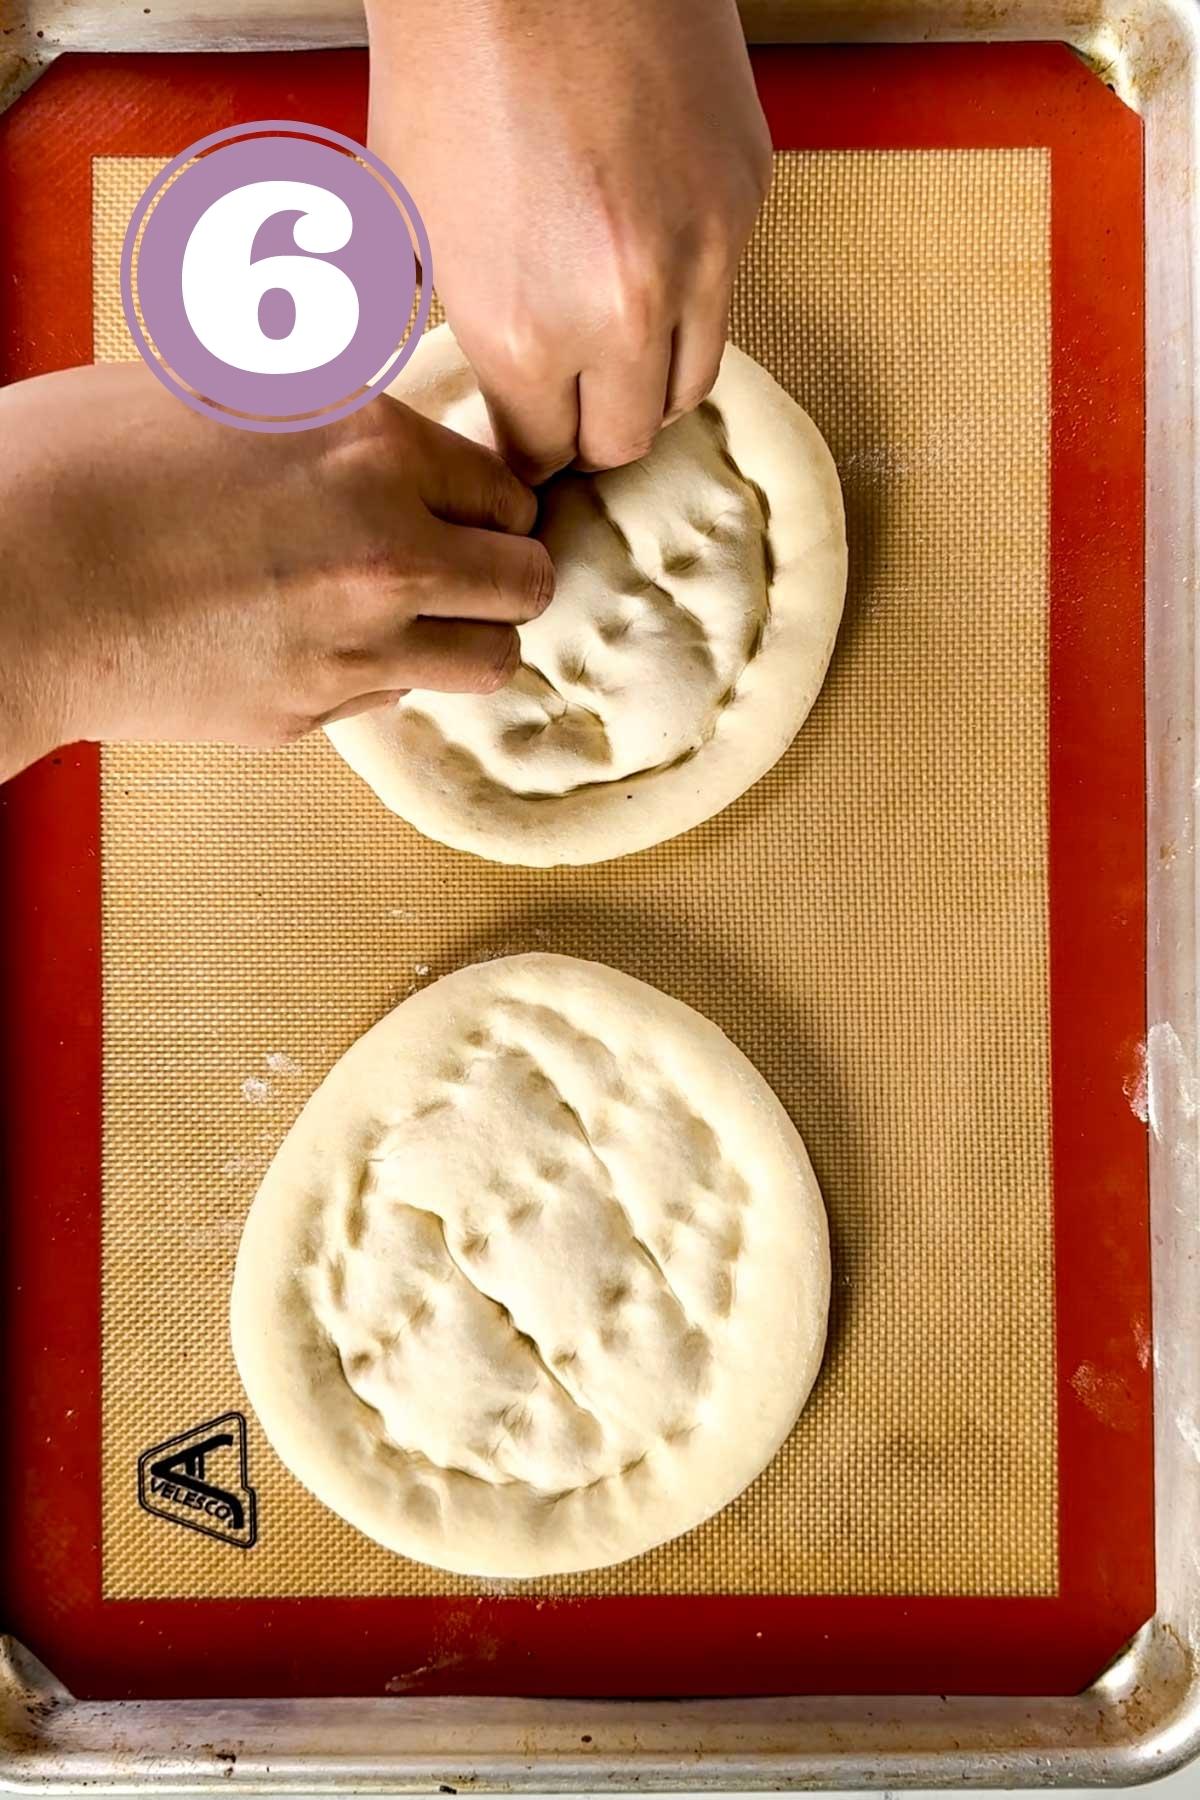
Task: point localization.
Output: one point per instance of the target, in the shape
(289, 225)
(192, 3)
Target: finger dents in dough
(565, 1313)
(698, 597)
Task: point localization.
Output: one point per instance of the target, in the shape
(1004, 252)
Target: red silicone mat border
(908, 97)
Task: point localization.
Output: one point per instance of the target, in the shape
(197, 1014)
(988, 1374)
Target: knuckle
(636, 317)
(519, 346)
(718, 243)
(713, 228)
(616, 453)
(506, 499)
(692, 395)
(762, 164)
(636, 298)
(633, 265)
(352, 447)
(627, 289)
(549, 462)
(632, 453)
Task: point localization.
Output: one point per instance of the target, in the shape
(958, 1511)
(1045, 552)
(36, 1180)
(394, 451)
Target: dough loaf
(540, 1276)
(699, 595)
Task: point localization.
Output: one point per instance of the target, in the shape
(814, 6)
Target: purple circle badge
(275, 275)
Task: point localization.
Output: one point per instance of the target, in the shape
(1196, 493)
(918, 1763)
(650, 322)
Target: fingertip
(531, 459)
(689, 402)
(363, 703)
(536, 470)
(543, 580)
(519, 513)
(614, 456)
(493, 676)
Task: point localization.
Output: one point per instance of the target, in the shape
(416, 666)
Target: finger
(487, 575)
(621, 407)
(466, 484)
(699, 346)
(455, 657)
(364, 703)
(535, 419)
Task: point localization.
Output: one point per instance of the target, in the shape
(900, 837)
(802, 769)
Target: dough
(540, 1276)
(699, 594)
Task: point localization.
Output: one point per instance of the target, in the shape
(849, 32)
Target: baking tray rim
(1142, 1718)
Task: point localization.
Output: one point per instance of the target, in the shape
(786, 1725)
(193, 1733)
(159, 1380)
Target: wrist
(23, 738)
(33, 710)
(415, 29)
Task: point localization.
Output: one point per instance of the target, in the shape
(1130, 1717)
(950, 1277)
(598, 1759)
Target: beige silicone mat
(869, 925)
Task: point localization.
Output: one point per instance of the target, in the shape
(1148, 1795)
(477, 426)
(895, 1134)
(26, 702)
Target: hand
(164, 576)
(589, 172)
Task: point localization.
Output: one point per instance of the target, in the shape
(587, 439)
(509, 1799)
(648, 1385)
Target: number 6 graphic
(274, 275)
(223, 289)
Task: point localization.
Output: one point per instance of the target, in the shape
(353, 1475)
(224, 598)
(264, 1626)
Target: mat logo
(198, 1479)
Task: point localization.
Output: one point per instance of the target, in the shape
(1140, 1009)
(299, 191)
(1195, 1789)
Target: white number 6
(223, 289)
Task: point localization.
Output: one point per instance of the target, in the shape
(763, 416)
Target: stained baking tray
(1139, 1718)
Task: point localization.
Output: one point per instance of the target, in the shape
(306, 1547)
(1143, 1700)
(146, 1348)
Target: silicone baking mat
(260, 913)
(887, 925)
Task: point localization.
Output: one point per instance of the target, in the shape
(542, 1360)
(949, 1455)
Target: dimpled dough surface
(699, 595)
(540, 1276)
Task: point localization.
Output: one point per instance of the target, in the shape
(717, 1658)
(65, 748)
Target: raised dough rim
(258, 1328)
(812, 580)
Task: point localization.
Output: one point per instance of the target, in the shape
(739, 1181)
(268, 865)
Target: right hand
(167, 577)
(587, 206)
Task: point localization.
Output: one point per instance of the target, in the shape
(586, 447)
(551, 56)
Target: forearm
(41, 618)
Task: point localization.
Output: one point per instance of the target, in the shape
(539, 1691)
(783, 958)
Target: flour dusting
(1171, 1089)
(1136, 1087)
(1189, 1431)
(1105, 1395)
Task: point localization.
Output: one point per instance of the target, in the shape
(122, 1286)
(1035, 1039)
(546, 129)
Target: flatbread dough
(699, 595)
(540, 1276)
